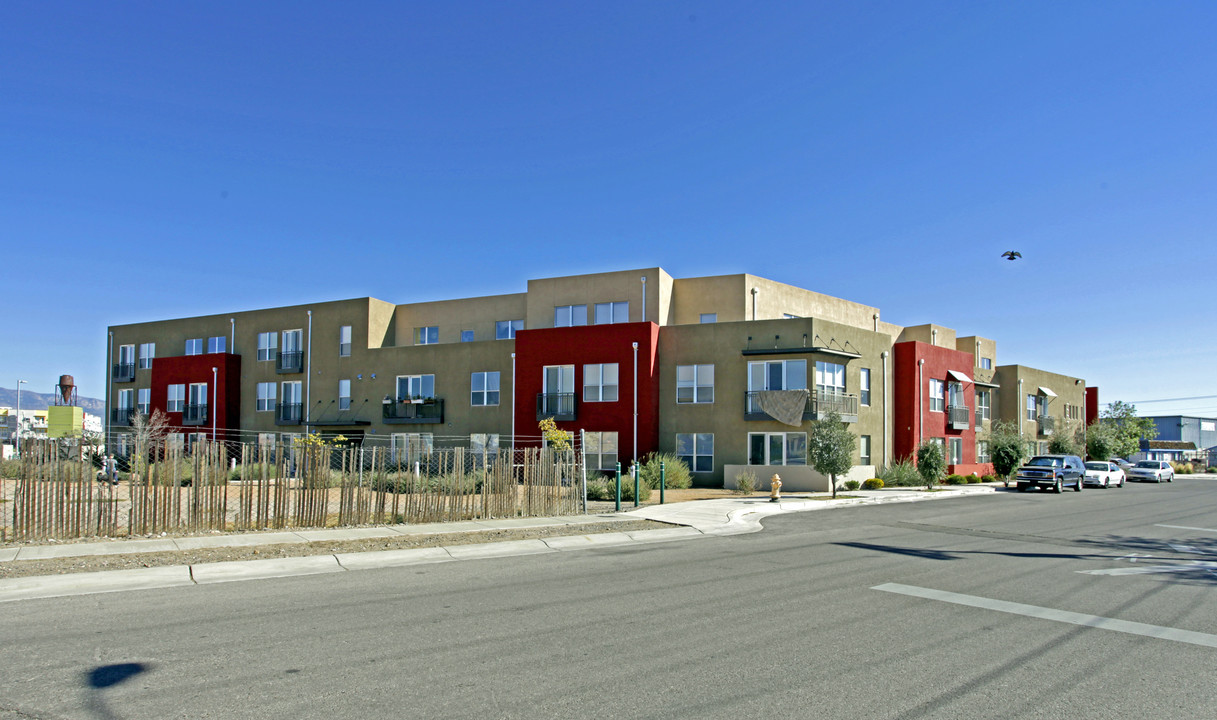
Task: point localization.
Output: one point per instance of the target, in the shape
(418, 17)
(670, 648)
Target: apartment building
(1040, 403)
(724, 371)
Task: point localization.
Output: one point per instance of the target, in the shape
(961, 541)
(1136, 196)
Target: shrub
(988, 478)
(1182, 468)
(853, 484)
(10, 468)
(873, 484)
(900, 474)
(931, 465)
(604, 487)
(676, 472)
(745, 483)
(972, 479)
(1212, 470)
(955, 480)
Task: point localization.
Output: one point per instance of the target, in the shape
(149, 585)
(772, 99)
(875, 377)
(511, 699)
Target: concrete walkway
(700, 518)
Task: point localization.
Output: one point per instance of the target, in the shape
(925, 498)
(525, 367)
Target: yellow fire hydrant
(775, 488)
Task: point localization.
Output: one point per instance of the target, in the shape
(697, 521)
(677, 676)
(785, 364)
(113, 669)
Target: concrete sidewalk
(699, 518)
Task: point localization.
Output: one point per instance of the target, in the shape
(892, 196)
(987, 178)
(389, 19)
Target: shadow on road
(107, 676)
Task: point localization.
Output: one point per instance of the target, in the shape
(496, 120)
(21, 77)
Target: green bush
(1182, 468)
(604, 487)
(10, 468)
(853, 484)
(931, 465)
(676, 473)
(972, 479)
(955, 480)
(745, 483)
(873, 484)
(1211, 470)
(988, 478)
(900, 474)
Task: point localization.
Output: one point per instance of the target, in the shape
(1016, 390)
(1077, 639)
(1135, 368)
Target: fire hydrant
(775, 488)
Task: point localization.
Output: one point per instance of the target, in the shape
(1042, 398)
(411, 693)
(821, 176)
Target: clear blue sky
(163, 160)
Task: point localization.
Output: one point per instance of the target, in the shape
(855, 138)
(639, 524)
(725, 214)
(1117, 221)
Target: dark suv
(1051, 471)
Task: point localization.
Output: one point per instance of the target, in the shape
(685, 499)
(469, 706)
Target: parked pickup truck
(1051, 472)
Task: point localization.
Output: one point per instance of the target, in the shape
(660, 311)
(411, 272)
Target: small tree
(830, 447)
(1006, 448)
(1127, 429)
(1066, 441)
(1100, 441)
(930, 463)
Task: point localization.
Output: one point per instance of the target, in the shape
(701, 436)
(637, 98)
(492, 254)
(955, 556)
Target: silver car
(1152, 471)
(1103, 474)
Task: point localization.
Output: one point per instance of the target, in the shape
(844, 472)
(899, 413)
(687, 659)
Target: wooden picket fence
(167, 490)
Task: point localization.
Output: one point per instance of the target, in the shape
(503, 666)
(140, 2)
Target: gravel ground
(62, 566)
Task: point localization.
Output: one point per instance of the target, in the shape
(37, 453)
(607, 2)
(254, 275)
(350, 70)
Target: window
(600, 382)
(292, 392)
(344, 394)
(217, 344)
(507, 329)
(344, 341)
(694, 384)
(466, 336)
(406, 448)
(267, 342)
(707, 318)
(177, 398)
(147, 351)
(1036, 406)
(484, 388)
(986, 363)
(864, 388)
(984, 398)
(197, 394)
(293, 341)
(955, 451)
(612, 312)
(266, 397)
(600, 450)
(935, 395)
(570, 315)
(864, 450)
(696, 450)
(194, 346)
(291, 409)
(830, 378)
(1208, 426)
(558, 382)
(942, 445)
(145, 400)
(484, 447)
(415, 387)
(426, 335)
(774, 375)
(266, 440)
(126, 399)
(982, 451)
(955, 394)
(777, 448)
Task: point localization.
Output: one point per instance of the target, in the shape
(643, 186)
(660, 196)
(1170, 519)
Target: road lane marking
(1193, 566)
(1185, 527)
(1061, 616)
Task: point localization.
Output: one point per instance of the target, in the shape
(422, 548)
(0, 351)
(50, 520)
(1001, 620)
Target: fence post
(618, 487)
(661, 481)
(634, 468)
(583, 465)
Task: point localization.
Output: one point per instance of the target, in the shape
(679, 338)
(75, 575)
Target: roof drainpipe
(920, 404)
(232, 343)
(308, 380)
(644, 298)
(875, 317)
(109, 389)
(1020, 410)
(754, 304)
(886, 406)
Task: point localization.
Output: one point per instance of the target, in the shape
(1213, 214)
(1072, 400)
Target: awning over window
(1046, 391)
(959, 376)
(985, 384)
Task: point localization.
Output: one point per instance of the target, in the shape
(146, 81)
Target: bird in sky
(1012, 254)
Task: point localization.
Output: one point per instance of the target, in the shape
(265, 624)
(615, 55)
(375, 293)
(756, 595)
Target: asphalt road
(983, 607)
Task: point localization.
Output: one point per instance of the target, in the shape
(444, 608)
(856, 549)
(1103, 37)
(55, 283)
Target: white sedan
(1103, 474)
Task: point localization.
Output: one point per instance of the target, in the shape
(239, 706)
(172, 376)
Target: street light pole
(215, 398)
(18, 426)
(635, 405)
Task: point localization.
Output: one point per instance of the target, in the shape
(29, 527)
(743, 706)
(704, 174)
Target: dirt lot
(60, 566)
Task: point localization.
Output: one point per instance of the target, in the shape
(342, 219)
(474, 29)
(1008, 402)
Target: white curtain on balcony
(785, 406)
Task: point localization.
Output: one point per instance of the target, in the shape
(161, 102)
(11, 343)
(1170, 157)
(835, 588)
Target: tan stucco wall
(625, 285)
(452, 316)
(930, 334)
(795, 478)
(1012, 397)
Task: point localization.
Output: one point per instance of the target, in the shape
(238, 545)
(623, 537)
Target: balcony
(289, 361)
(819, 403)
(957, 417)
(289, 413)
(124, 372)
(194, 415)
(559, 406)
(427, 412)
(122, 416)
(1046, 424)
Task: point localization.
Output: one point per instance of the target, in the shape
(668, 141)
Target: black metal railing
(291, 361)
(559, 406)
(289, 413)
(121, 416)
(819, 403)
(429, 411)
(124, 372)
(194, 415)
(980, 417)
(957, 417)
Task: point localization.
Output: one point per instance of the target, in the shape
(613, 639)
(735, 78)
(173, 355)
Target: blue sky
(164, 160)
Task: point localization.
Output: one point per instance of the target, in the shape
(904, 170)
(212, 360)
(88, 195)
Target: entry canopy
(959, 376)
(1046, 391)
